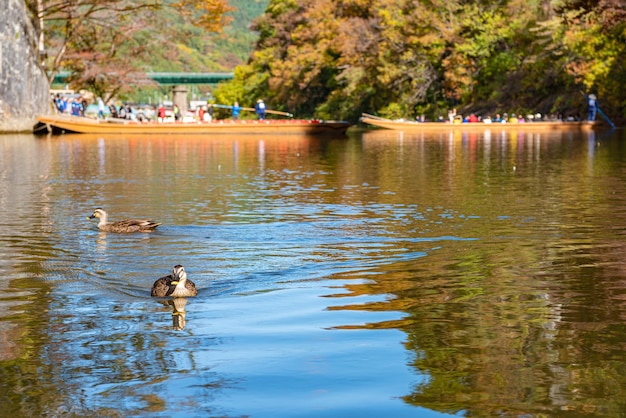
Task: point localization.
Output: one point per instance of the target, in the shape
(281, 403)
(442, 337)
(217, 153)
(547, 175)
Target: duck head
(179, 275)
(98, 213)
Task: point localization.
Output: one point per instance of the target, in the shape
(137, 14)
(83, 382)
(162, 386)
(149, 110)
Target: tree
(594, 38)
(94, 39)
(401, 58)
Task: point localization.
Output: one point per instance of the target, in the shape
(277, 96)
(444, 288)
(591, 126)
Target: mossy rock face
(24, 89)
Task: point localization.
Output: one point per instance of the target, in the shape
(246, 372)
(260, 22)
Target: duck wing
(133, 225)
(163, 287)
(191, 287)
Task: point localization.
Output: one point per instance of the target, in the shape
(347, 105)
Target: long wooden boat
(411, 126)
(58, 124)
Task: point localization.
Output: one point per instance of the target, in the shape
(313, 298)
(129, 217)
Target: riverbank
(16, 125)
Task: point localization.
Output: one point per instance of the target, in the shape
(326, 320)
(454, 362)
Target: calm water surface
(382, 274)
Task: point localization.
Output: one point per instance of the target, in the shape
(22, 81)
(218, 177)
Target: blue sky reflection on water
(252, 354)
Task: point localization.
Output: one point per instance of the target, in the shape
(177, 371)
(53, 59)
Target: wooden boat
(413, 126)
(58, 124)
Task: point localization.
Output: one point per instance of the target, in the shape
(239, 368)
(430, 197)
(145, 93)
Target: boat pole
(251, 109)
(600, 111)
(274, 112)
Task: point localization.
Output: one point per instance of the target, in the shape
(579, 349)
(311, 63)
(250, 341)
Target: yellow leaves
(392, 16)
(596, 54)
(207, 14)
(457, 75)
(278, 7)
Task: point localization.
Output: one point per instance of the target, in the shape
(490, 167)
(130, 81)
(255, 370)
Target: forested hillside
(192, 49)
(107, 46)
(402, 58)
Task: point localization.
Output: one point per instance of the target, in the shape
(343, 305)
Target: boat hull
(407, 126)
(58, 124)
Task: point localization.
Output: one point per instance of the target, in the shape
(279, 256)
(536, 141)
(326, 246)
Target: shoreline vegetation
(397, 61)
(414, 58)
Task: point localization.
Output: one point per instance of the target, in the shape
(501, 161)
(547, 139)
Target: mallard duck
(175, 285)
(127, 225)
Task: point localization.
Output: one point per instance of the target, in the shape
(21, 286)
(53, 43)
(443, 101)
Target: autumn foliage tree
(594, 34)
(103, 43)
(402, 58)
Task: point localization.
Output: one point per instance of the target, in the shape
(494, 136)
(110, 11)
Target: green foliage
(229, 93)
(394, 111)
(184, 48)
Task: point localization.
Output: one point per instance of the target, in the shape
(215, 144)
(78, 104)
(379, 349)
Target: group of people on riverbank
(78, 106)
(70, 104)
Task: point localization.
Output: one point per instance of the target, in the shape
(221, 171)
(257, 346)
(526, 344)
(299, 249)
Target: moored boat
(414, 126)
(58, 124)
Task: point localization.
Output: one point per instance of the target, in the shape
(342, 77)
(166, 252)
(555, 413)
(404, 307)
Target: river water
(381, 274)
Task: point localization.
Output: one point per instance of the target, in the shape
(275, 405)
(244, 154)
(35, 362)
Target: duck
(127, 225)
(175, 285)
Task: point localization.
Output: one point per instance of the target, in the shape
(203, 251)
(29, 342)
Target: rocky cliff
(24, 89)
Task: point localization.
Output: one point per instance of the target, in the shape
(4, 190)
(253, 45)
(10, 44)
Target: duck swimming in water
(128, 225)
(175, 285)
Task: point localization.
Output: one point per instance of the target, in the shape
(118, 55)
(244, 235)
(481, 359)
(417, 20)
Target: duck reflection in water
(178, 312)
(178, 287)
